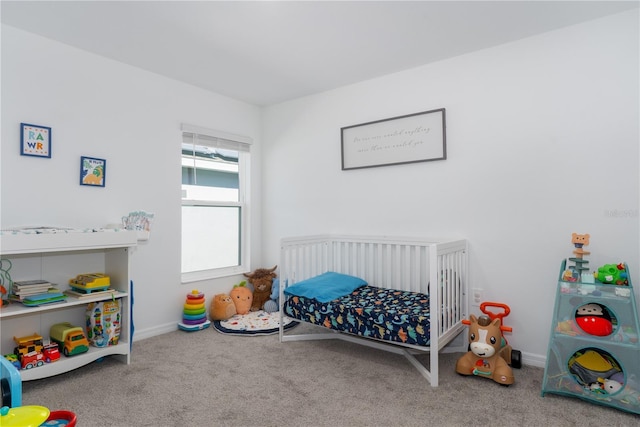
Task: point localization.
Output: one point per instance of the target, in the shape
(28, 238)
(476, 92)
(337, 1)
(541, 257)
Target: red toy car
(51, 353)
(31, 360)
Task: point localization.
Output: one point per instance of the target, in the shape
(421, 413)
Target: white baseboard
(141, 334)
(530, 359)
(537, 360)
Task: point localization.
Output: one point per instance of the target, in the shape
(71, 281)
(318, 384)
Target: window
(215, 177)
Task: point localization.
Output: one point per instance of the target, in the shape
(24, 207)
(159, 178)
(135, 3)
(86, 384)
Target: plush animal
(242, 297)
(606, 386)
(222, 307)
(594, 319)
(485, 358)
(262, 281)
(272, 306)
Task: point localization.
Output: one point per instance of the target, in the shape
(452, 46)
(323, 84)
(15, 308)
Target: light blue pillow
(326, 287)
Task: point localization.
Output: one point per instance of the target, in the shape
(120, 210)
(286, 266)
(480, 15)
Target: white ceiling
(266, 52)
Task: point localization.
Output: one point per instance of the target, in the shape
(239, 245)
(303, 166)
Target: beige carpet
(206, 378)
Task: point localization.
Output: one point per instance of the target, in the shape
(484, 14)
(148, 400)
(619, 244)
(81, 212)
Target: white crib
(410, 264)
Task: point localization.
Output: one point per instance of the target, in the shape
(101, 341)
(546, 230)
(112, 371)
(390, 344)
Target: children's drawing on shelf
(140, 222)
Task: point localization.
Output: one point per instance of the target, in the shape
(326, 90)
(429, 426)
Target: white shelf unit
(58, 257)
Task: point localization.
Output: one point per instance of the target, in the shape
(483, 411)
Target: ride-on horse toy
(489, 353)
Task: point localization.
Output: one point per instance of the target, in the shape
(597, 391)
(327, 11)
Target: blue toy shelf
(594, 351)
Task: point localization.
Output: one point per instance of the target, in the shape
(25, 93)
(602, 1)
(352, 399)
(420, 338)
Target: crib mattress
(369, 311)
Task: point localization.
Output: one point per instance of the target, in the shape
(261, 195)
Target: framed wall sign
(418, 137)
(35, 140)
(92, 171)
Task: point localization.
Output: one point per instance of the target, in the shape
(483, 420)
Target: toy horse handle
(502, 328)
(492, 315)
(504, 307)
(505, 312)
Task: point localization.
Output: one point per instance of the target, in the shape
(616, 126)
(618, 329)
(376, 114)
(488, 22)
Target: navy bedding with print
(385, 314)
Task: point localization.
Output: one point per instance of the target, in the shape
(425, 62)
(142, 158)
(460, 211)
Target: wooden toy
(5, 279)
(579, 271)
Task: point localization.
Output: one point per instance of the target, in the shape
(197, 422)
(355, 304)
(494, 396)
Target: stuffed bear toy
(222, 307)
(272, 306)
(261, 279)
(242, 297)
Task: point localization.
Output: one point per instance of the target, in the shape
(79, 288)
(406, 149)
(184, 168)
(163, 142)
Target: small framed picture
(35, 140)
(92, 171)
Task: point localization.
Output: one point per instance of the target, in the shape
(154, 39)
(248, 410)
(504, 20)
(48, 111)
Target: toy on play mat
(194, 317)
(489, 355)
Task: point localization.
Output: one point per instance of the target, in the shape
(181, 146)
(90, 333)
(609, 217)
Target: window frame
(243, 146)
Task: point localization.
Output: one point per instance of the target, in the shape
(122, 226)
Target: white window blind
(198, 136)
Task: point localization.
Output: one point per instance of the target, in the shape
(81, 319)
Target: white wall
(542, 141)
(131, 118)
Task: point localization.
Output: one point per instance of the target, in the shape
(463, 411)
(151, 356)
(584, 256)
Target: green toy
(612, 274)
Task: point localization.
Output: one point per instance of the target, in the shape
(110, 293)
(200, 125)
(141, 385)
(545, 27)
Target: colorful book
(52, 296)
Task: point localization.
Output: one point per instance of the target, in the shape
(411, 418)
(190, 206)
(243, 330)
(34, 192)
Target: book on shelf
(23, 297)
(22, 289)
(31, 288)
(83, 295)
(25, 284)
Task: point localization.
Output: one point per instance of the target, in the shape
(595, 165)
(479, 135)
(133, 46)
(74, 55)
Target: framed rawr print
(35, 140)
(92, 171)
